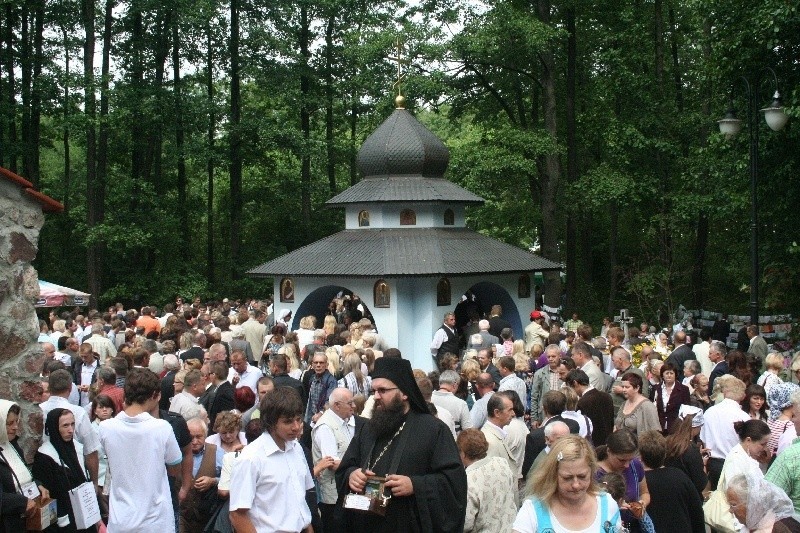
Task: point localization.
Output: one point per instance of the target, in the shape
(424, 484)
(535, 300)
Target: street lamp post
(729, 126)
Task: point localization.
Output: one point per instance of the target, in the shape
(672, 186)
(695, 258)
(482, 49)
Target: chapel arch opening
(317, 303)
(488, 294)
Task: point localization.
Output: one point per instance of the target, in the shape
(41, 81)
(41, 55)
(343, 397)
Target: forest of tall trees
(192, 140)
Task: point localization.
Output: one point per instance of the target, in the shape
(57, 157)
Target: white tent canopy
(52, 295)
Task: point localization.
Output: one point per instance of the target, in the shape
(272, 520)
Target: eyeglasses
(384, 390)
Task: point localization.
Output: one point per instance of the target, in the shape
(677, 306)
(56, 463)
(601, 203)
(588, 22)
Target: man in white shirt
(444, 398)
(717, 432)
(59, 385)
(510, 380)
(141, 450)
(270, 479)
(186, 403)
(701, 352)
(330, 438)
(242, 374)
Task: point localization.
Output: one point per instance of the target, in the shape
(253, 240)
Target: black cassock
(430, 458)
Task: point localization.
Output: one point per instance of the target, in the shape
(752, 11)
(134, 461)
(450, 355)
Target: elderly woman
(781, 408)
(760, 506)
(771, 376)
(637, 413)
(746, 457)
(491, 486)
(565, 495)
(227, 434)
(14, 473)
(619, 456)
(669, 397)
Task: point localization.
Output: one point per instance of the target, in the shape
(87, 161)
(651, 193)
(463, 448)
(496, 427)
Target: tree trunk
(36, 95)
(612, 259)
(353, 139)
(66, 239)
(137, 82)
(11, 102)
(103, 135)
(179, 133)
(236, 141)
(93, 255)
(572, 165)
(305, 124)
(550, 169)
(210, 259)
(154, 155)
(25, 86)
(331, 163)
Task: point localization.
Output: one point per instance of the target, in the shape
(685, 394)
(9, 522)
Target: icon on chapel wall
(524, 286)
(380, 294)
(408, 217)
(287, 290)
(363, 219)
(443, 292)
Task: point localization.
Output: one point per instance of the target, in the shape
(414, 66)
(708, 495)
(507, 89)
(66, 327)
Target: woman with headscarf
(779, 399)
(760, 506)
(59, 465)
(14, 474)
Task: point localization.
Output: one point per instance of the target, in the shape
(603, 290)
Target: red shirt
(116, 394)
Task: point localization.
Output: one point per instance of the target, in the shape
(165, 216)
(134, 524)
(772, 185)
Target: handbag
(84, 505)
(717, 510)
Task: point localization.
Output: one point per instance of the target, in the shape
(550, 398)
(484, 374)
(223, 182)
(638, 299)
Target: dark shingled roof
(403, 146)
(402, 161)
(404, 252)
(404, 189)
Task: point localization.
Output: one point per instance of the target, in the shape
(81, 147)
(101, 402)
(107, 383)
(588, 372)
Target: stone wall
(21, 358)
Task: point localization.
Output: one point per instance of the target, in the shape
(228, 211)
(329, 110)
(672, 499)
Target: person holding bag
(19, 489)
(59, 465)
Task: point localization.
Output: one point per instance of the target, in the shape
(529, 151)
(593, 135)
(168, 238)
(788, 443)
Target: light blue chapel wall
(387, 215)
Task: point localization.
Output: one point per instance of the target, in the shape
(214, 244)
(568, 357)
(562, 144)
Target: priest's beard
(387, 417)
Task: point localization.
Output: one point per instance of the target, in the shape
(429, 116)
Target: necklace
(372, 467)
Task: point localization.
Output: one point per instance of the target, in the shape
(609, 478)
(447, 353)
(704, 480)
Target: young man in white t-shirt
(271, 476)
(140, 450)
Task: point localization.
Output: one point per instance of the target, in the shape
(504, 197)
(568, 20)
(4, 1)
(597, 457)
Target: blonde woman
(520, 357)
(565, 495)
(333, 361)
(305, 334)
(355, 335)
(290, 351)
(329, 325)
(772, 375)
(354, 379)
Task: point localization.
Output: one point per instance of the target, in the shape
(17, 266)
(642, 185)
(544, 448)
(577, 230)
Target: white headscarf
(766, 503)
(20, 469)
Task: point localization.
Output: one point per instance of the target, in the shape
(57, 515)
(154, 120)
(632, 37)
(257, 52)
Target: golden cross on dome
(401, 76)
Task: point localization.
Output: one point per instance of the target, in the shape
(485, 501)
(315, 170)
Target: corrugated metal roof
(404, 189)
(404, 252)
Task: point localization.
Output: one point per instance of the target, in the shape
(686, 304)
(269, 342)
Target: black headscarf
(399, 372)
(65, 449)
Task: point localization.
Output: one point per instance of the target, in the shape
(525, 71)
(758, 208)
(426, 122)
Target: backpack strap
(542, 516)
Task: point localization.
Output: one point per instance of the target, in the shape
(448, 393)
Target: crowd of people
(218, 417)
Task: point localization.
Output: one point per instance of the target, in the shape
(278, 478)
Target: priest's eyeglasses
(384, 390)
